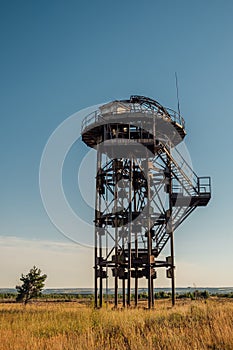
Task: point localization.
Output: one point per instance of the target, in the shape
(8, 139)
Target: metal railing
(98, 117)
(204, 184)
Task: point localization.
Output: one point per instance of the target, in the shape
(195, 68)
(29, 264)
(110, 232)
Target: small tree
(33, 283)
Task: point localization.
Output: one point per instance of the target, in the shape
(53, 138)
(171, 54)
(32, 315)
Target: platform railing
(97, 116)
(204, 184)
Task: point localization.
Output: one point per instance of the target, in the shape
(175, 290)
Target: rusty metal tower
(144, 190)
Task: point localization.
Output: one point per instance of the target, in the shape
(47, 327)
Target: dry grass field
(73, 326)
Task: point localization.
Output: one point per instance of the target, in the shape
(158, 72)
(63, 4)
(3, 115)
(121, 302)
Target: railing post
(198, 185)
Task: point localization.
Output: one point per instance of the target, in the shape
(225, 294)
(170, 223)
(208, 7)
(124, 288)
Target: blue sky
(59, 57)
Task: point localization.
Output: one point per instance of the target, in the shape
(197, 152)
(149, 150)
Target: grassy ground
(62, 326)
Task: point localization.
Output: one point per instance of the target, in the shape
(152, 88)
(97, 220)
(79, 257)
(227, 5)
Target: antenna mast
(177, 94)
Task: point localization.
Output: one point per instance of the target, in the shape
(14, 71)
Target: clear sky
(58, 57)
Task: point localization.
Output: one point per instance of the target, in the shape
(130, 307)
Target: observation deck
(139, 118)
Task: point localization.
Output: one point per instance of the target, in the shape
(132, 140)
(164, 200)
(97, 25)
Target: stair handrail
(180, 170)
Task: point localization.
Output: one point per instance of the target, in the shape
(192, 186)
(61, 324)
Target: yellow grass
(62, 326)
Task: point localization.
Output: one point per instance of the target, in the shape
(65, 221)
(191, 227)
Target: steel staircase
(188, 192)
